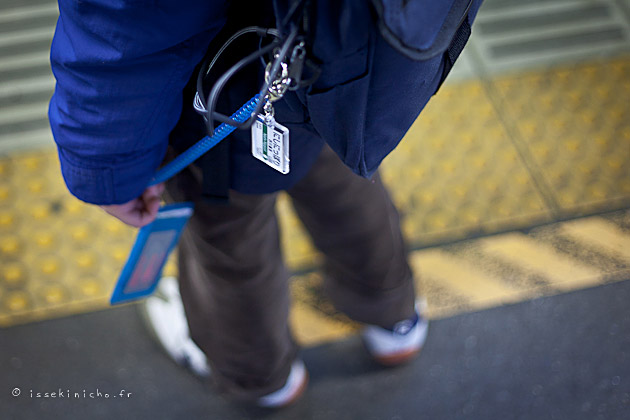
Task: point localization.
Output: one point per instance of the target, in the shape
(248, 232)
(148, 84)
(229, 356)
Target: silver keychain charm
(269, 113)
(280, 83)
(278, 86)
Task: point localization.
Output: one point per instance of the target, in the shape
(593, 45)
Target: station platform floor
(514, 188)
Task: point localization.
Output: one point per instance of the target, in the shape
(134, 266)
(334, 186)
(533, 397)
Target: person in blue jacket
(125, 75)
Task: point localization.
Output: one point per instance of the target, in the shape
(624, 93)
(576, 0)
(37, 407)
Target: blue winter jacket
(121, 67)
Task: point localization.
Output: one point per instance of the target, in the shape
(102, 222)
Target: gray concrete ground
(561, 357)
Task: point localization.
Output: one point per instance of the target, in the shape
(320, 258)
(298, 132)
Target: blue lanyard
(205, 144)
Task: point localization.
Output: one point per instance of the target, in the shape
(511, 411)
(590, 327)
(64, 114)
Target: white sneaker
(400, 344)
(165, 316)
(293, 388)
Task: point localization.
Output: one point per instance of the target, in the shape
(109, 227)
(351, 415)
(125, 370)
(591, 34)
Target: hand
(140, 211)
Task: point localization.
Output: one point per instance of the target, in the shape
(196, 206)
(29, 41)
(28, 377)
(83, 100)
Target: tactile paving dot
(17, 301)
(81, 232)
(13, 275)
(35, 185)
(86, 261)
(39, 211)
(54, 294)
(45, 240)
(73, 207)
(90, 287)
(119, 254)
(115, 228)
(5, 194)
(10, 245)
(50, 267)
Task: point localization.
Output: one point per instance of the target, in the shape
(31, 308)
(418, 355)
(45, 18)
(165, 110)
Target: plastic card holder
(154, 243)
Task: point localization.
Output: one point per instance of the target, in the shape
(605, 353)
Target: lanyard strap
(205, 144)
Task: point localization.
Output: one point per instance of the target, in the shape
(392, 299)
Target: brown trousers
(234, 284)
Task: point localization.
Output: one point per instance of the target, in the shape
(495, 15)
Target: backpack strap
(455, 49)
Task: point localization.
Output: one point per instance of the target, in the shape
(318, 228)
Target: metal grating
(513, 35)
(26, 81)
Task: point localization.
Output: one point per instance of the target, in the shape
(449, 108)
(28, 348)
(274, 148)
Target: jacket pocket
(420, 29)
(341, 71)
(340, 39)
(338, 114)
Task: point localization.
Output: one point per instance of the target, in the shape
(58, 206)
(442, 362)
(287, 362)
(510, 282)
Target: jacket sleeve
(121, 66)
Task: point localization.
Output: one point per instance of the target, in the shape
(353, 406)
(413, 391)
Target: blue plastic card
(154, 243)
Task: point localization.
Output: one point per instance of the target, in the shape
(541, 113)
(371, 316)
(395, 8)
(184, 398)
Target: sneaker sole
(397, 359)
(298, 394)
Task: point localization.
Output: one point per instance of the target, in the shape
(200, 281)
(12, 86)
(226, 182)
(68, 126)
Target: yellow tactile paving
(486, 272)
(458, 173)
(575, 124)
(484, 157)
(563, 272)
(480, 288)
(602, 234)
(51, 259)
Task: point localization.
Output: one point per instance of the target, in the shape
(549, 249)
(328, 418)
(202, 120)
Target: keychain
(270, 140)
